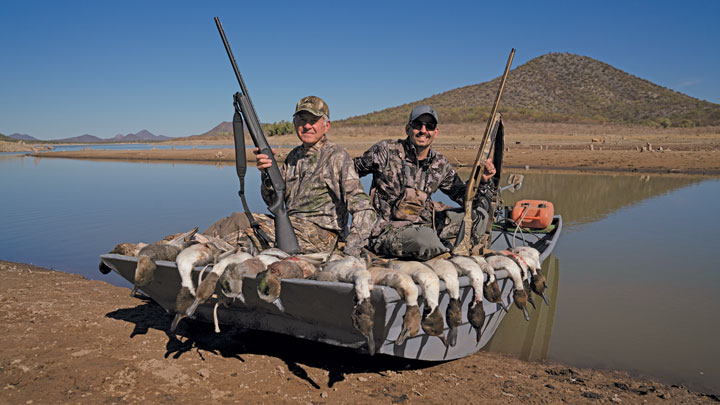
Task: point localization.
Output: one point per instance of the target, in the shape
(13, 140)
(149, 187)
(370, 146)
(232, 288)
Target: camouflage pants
(236, 230)
(422, 242)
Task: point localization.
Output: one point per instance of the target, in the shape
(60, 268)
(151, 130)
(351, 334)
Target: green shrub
(278, 128)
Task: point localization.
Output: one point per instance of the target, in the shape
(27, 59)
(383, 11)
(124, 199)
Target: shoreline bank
(561, 146)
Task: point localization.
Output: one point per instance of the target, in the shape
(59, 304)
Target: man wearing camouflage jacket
(321, 186)
(410, 170)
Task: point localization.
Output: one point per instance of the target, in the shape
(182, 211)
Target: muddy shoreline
(69, 339)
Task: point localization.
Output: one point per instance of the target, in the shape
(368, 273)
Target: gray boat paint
(324, 319)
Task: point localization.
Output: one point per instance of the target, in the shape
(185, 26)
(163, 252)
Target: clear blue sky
(107, 67)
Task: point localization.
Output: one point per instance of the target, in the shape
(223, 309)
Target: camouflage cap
(314, 105)
(420, 110)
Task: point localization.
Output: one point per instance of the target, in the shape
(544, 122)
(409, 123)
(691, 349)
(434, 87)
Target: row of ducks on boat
(230, 266)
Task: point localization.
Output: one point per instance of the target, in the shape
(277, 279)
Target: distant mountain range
(142, 136)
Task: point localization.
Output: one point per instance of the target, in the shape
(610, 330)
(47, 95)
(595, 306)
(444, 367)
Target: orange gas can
(534, 214)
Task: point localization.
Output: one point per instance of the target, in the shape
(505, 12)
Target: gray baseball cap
(420, 110)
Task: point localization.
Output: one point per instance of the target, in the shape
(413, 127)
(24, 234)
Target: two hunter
(318, 187)
(322, 186)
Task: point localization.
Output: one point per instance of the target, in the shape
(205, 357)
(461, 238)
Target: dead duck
(167, 249)
(525, 273)
(231, 281)
(269, 280)
(447, 272)
(432, 324)
(353, 270)
(190, 257)
(503, 263)
(538, 280)
(206, 287)
(128, 249)
(491, 290)
(408, 291)
(466, 266)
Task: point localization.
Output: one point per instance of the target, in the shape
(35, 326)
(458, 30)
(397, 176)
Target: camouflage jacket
(321, 186)
(384, 161)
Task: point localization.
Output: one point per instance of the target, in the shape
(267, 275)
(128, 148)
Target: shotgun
(285, 238)
(463, 243)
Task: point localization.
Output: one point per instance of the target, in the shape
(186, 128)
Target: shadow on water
(530, 340)
(236, 342)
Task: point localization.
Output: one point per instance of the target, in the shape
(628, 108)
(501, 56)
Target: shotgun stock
(285, 238)
(463, 242)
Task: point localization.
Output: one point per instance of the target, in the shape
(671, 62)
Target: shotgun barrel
(463, 243)
(285, 238)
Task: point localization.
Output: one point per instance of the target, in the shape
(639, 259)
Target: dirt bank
(532, 146)
(22, 147)
(68, 339)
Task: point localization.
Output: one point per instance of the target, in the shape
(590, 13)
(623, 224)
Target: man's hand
(263, 161)
(488, 171)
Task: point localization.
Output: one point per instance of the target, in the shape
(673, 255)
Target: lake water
(634, 278)
(121, 146)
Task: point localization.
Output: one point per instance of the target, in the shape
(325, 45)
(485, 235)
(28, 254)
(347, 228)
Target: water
(633, 280)
(123, 146)
(134, 146)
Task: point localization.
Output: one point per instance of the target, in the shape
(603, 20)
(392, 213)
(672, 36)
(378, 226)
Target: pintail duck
(525, 268)
(167, 249)
(406, 289)
(466, 266)
(422, 274)
(491, 290)
(501, 262)
(195, 255)
(269, 281)
(538, 281)
(206, 286)
(128, 249)
(448, 272)
(231, 281)
(350, 269)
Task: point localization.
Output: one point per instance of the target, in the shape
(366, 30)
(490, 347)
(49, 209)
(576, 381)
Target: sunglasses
(430, 126)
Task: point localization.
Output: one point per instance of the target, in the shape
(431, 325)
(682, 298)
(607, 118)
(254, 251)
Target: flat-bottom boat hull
(320, 311)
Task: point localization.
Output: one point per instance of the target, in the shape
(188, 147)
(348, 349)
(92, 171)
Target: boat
(320, 310)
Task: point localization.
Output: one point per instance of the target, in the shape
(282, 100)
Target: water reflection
(583, 198)
(525, 340)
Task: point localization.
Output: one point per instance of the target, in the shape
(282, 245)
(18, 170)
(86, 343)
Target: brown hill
(222, 131)
(562, 87)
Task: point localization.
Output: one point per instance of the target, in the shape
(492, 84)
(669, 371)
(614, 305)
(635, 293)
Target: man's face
(419, 133)
(310, 128)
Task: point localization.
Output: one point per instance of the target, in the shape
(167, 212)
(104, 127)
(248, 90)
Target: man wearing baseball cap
(406, 173)
(321, 186)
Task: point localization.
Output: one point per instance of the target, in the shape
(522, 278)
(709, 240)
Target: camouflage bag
(409, 206)
(412, 202)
